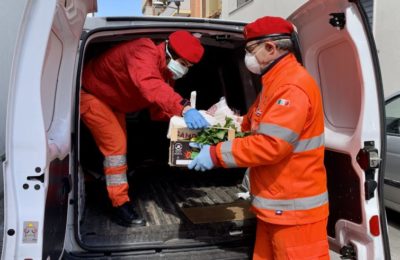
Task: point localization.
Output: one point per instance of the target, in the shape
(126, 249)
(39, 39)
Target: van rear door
(338, 49)
(38, 127)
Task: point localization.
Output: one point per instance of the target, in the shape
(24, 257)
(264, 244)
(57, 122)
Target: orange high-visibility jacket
(285, 151)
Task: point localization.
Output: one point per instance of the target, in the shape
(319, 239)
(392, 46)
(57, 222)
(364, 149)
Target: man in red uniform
(284, 153)
(129, 77)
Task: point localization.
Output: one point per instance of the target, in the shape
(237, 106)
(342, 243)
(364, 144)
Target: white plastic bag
(219, 111)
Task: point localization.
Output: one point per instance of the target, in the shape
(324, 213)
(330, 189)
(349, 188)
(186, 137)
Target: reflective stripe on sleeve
(295, 204)
(291, 137)
(114, 160)
(278, 131)
(227, 156)
(309, 144)
(116, 179)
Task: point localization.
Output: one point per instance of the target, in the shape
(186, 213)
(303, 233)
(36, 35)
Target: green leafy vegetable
(217, 133)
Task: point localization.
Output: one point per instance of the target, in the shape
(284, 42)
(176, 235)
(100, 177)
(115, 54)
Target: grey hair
(284, 44)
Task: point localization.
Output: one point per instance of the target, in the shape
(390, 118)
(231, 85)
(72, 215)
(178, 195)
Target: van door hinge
(338, 20)
(369, 160)
(348, 252)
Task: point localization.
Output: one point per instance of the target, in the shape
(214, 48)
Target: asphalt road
(393, 219)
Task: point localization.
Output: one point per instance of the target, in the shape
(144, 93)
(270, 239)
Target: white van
(54, 194)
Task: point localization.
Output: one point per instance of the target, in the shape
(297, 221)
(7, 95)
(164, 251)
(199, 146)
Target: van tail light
(374, 226)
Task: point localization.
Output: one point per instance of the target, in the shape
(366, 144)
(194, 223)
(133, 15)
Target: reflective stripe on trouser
(116, 180)
(293, 242)
(109, 132)
(118, 193)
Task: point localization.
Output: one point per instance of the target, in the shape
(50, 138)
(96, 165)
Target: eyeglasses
(185, 63)
(250, 48)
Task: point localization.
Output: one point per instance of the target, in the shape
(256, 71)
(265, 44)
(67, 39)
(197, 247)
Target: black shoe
(127, 216)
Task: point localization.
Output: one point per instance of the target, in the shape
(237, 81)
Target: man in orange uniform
(129, 77)
(285, 152)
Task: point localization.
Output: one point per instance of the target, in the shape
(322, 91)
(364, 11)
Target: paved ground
(393, 219)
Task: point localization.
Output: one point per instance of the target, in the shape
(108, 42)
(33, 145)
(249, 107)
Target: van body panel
(38, 129)
(11, 11)
(338, 52)
(42, 138)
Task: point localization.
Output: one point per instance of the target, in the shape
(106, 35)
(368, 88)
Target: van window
(393, 116)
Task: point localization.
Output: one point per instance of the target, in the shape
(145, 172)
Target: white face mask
(177, 69)
(252, 64)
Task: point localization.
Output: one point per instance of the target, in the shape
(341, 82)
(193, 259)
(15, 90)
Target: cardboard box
(180, 153)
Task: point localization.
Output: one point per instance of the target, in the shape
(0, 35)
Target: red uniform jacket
(133, 76)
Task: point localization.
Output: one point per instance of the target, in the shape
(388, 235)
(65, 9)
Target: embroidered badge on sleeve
(283, 102)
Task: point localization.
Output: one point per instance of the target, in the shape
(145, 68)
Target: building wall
(383, 18)
(192, 8)
(147, 8)
(205, 8)
(387, 37)
(254, 9)
(213, 8)
(195, 8)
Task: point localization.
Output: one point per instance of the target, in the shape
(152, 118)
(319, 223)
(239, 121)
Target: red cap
(265, 26)
(186, 46)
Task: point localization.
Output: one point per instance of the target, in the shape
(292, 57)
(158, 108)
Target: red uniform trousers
(108, 128)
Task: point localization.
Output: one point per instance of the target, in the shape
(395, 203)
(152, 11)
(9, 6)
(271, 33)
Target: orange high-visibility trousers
(109, 132)
(300, 242)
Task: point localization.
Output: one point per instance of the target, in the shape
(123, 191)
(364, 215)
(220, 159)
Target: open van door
(38, 149)
(338, 50)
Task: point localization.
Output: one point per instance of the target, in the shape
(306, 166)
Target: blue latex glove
(194, 120)
(203, 161)
(196, 145)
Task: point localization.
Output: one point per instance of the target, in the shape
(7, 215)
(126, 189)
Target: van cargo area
(183, 208)
(162, 193)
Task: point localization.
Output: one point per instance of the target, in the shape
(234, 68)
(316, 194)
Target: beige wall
(204, 8)
(212, 7)
(387, 38)
(258, 8)
(195, 8)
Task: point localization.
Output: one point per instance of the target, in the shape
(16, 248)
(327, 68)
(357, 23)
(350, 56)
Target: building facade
(186, 8)
(386, 24)
(382, 15)
(249, 10)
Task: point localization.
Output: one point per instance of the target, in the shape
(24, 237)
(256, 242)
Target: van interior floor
(180, 207)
